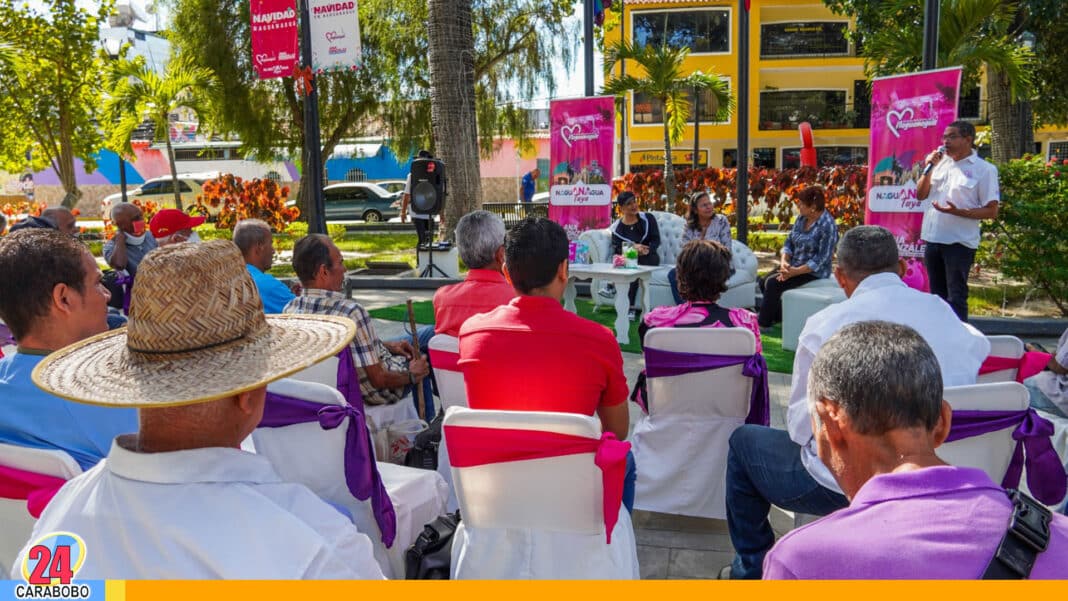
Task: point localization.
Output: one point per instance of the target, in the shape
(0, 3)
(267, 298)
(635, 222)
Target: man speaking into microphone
(964, 190)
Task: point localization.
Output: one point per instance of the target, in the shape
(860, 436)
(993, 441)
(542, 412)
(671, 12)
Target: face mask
(139, 227)
(194, 238)
(135, 240)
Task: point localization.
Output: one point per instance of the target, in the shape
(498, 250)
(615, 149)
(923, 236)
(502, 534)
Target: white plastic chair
(989, 452)
(307, 454)
(444, 350)
(379, 417)
(539, 518)
(1009, 347)
(16, 523)
(680, 447)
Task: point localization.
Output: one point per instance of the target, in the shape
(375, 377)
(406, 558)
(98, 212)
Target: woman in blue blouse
(806, 256)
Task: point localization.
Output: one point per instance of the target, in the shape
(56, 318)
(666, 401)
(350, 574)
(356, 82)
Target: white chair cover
(16, 523)
(379, 417)
(989, 452)
(680, 447)
(453, 393)
(307, 454)
(540, 518)
(1009, 347)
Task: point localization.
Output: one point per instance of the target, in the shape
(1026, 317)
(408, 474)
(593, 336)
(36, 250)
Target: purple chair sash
(361, 470)
(660, 363)
(6, 337)
(126, 281)
(1045, 474)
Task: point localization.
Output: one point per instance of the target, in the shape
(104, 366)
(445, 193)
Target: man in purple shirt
(875, 393)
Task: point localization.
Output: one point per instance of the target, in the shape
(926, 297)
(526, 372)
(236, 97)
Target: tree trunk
(669, 169)
(1011, 122)
(66, 173)
(452, 102)
(174, 172)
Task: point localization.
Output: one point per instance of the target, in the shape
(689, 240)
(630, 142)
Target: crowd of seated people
(158, 424)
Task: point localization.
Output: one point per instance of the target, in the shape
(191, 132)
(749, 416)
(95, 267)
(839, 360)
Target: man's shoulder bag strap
(1027, 536)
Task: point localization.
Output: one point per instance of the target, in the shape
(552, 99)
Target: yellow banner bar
(656, 157)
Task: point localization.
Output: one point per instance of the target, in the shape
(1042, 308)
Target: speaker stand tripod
(428, 271)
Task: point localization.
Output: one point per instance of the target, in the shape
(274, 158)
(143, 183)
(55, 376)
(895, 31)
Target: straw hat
(197, 332)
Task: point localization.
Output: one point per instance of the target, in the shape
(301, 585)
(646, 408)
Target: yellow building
(802, 68)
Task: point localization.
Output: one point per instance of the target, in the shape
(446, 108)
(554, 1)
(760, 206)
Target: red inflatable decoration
(808, 149)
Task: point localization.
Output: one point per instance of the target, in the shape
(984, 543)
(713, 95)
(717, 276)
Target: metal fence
(514, 212)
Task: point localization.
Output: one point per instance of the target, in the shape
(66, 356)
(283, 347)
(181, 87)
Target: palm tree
(664, 80)
(975, 34)
(138, 93)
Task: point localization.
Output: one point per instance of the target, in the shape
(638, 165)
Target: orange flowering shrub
(235, 199)
(777, 189)
(16, 212)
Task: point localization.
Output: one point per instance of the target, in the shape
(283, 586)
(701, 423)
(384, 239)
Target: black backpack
(430, 556)
(424, 451)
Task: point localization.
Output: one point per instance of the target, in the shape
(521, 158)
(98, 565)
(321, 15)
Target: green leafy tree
(50, 88)
(975, 34)
(138, 93)
(663, 79)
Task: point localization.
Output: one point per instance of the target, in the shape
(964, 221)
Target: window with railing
(355, 175)
(1058, 151)
(198, 154)
(705, 30)
(827, 156)
(808, 38)
(649, 109)
(969, 105)
(784, 109)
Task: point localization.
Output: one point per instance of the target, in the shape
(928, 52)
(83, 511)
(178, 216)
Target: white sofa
(741, 288)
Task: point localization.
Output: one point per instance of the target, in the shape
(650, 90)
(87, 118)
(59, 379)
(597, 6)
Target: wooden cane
(420, 401)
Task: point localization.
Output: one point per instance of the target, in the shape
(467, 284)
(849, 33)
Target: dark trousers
(947, 269)
(649, 259)
(771, 308)
(422, 230)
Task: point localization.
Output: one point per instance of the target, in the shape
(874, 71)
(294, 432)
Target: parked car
(393, 185)
(358, 200)
(161, 191)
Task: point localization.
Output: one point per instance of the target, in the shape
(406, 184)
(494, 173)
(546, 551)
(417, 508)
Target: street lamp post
(696, 125)
(112, 47)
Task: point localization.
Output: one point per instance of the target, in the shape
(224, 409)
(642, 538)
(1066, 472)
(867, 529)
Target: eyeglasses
(951, 136)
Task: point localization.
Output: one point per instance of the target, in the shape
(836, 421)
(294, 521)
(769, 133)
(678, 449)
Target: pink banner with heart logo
(274, 37)
(908, 115)
(582, 140)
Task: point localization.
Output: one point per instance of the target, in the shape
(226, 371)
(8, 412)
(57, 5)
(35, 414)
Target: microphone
(927, 169)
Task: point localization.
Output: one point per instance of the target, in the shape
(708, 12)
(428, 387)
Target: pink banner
(581, 146)
(908, 115)
(274, 37)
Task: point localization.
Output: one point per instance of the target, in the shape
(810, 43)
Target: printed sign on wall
(335, 35)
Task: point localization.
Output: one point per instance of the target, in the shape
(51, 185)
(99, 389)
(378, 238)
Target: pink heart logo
(568, 132)
(895, 117)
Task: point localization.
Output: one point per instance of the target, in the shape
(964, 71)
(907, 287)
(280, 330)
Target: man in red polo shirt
(480, 240)
(531, 354)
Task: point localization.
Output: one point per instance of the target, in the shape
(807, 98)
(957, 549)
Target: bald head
(124, 214)
(63, 218)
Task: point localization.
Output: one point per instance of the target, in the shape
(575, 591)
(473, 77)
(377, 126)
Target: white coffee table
(622, 278)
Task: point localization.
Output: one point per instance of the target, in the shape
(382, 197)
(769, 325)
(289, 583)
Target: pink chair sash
(471, 446)
(445, 360)
(1029, 365)
(36, 489)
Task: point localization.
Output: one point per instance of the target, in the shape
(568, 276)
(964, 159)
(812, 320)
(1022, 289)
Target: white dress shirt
(959, 348)
(208, 513)
(969, 183)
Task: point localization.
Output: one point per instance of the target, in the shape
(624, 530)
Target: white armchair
(741, 288)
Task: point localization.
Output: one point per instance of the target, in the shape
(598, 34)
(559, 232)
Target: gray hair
(883, 375)
(478, 236)
(119, 207)
(251, 232)
(865, 250)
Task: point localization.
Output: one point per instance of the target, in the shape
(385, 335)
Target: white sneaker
(609, 291)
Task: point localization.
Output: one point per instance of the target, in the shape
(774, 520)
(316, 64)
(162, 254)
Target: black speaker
(428, 186)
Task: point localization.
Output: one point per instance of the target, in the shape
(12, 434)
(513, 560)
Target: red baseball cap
(168, 221)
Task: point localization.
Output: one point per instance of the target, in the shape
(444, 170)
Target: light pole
(930, 34)
(741, 197)
(696, 125)
(112, 46)
(313, 160)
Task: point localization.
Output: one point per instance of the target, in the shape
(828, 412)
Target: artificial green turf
(778, 360)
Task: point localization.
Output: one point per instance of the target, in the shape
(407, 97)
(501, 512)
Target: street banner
(581, 140)
(335, 35)
(908, 115)
(274, 37)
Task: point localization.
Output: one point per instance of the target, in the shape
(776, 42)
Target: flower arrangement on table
(627, 260)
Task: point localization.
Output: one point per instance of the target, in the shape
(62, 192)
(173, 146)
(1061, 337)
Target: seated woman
(638, 228)
(702, 223)
(806, 256)
(703, 269)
